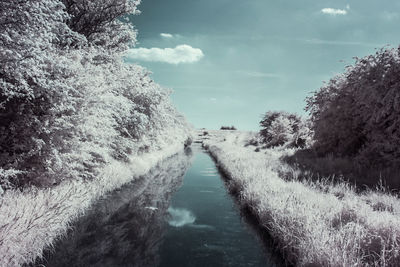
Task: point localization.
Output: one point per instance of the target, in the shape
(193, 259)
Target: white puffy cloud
(166, 35)
(180, 54)
(334, 12)
(180, 217)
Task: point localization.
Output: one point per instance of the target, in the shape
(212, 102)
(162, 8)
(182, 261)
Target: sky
(229, 61)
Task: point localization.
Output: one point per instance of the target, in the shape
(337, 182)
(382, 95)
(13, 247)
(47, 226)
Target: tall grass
(315, 223)
(31, 220)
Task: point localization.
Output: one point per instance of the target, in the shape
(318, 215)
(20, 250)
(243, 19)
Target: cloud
(334, 12)
(180, 54)
(166, 35)
(180, 217)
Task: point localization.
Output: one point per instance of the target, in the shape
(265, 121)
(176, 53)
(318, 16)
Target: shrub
(284, 129)
(233, 128)
(357, 113)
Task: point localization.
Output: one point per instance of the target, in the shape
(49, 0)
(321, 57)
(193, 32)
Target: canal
(179, 214)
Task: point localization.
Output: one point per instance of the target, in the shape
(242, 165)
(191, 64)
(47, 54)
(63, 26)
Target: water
(166, 218)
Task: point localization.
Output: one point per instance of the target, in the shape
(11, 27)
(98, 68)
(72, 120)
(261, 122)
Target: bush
(357, 113)
(233, 128)
(284, 129)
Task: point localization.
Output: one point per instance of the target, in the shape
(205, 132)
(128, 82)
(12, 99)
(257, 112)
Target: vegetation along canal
(180, 214)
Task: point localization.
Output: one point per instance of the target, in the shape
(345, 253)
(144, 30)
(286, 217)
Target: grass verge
(314, 223)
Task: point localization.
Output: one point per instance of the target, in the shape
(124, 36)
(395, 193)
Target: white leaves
(76, 104)
(284, 129)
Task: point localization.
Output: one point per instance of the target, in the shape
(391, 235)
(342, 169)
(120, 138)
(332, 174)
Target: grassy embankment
(31, 220)
(314, 223)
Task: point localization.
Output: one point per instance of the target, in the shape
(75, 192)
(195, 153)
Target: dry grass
(315, 223)
(32, 220)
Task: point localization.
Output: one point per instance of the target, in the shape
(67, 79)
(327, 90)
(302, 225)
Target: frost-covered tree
(34, 91)
(100, 21)
(283, 129)
(68, 102)
(358, 112)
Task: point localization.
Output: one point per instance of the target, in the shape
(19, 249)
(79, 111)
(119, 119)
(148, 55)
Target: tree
(283, 129)
(100, 21)
(33, 81)
(357, 113)
(68, 102)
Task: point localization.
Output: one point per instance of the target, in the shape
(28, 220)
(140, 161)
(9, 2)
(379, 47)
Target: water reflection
(180, 217)
(126, 227)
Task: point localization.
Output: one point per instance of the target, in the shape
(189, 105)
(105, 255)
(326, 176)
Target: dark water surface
(178, 215)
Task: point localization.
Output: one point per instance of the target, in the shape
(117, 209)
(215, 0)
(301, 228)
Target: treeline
(232, 128)
(68, 102)
(355, 115)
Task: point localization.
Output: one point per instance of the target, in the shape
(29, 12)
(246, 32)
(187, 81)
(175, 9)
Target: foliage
(233, 128)
(99, 21)
(283, 129)
(357, 113)
(68, 102)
